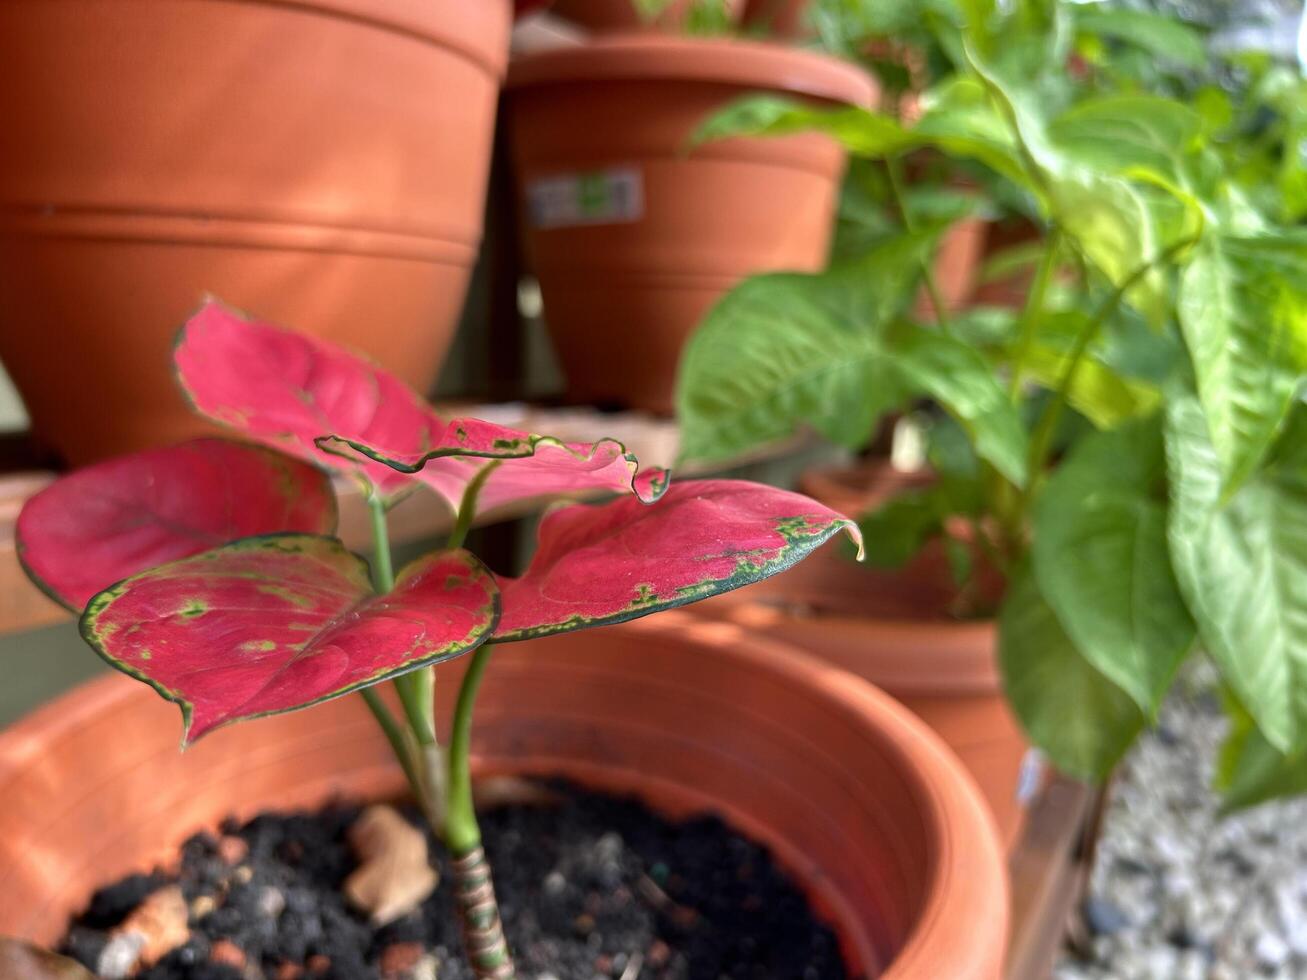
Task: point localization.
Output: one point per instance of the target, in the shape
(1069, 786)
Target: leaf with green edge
(1070, 710)
(1112, 224)
(1250, 770)
(959, 378)
(1097, 392)
(539, 466)
(1242, 568)
(1128, 134)
(1100, 558)
(105, 522)
(863, 132)
(607, 563)
(331, 406)
(787, 349)
(272, 624)
(1159, 34)
(1245, 325)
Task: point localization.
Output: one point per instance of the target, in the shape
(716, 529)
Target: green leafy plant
(211, 572)
(1129, 447)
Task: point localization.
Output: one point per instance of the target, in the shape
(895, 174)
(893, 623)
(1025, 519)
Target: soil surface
(592, 887)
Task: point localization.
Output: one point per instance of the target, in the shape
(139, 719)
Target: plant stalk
(474, 890)
(1042, 438)
(416, 689)
(1032, 312)
(894, 170)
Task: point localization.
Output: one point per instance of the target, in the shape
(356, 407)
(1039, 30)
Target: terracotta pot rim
(421, 21)
(749, 64)
(949, 806)
(444, 246)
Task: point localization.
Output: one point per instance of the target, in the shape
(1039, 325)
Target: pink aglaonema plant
(209, 570)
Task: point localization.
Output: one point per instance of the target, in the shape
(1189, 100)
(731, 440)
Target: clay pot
(623, 15)
(778, 18)
(956, 263)
(1009, 291)
(894, 628)
(855, 797)
(633, 234)
(321, 164)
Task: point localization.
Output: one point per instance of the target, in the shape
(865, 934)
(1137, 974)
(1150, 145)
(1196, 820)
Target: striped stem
(478, 913)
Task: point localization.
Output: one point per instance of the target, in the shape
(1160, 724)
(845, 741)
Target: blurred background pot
(632, 233)
(857, 799)
(896, 628)
(624, 15)
(322, 164)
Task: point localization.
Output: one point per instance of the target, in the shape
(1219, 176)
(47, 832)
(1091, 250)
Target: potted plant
(631, 234)
(289, 156)
(1126, 450)
(284, 617)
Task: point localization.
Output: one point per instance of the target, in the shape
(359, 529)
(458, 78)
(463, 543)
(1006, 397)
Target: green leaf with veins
(1242, 567)
(1070, 710)
(894, 532)
(1100, 557)
(1250, 770)
(1244, 321)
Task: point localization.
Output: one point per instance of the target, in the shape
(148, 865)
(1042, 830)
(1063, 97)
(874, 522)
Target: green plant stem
(462, 833)
(894, 170)
(1033, 311)
(417, 688)
(467, 507)
(1041, 440)
(394, 733)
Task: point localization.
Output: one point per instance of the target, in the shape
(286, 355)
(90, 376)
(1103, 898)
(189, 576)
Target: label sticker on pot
(601, 197)
(1030, 778)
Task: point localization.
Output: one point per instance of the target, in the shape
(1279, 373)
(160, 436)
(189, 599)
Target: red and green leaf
(272, 624)
(329, 405)
(530, 465)
(288, 390)
(601, 564)
(106, 522)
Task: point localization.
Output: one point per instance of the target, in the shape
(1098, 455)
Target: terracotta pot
(957, 261)
(893, 628)
(778, 18)
(632, 234)
(856, 798)
(1008, 291)
(623, 15)
(321, 163)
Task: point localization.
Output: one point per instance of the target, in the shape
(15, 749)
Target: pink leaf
(271, 624)
(287, 389)
(101, 524)
(612, 562)
(529, 465)
(329, 405)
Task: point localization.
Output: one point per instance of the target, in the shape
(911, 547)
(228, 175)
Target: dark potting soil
(590, 887)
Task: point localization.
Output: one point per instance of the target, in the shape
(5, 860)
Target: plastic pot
(321, 163)
(632, 233)
(858, 800)
(894, 628)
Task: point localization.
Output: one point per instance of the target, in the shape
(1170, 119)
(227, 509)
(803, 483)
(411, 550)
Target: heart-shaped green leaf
(103, 523)
(272, 624)
(1242, 568)
(607, 563)
(1069, 709)
(1101, 559)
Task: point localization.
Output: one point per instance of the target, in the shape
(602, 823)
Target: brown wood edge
(1049, 871)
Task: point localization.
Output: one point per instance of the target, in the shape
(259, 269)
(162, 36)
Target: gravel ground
(1179, 893)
